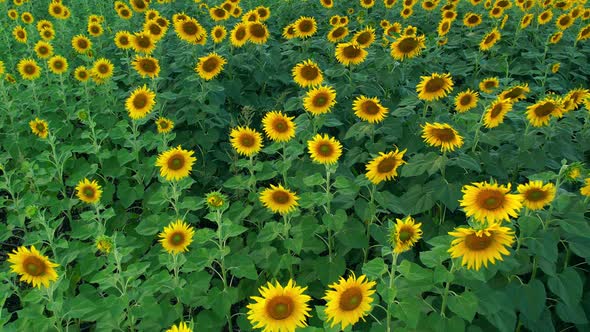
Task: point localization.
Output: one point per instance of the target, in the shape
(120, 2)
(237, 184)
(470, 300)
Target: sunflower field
(284, 165)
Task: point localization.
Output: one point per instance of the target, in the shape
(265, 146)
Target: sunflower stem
(287, 226)
(557, 185)
(373, 217)
(63, 90)
(328, 211)
(425, 111)
(477, 132)
(391, 279)
(174, 198)
(284, 162)
(221, 262)
(446, 291)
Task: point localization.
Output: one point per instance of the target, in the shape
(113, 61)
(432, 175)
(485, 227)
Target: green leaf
(151, 225)
(241, 266)
(567, 285)
(375, 268)
(573, 313)
(419, 164)
(270, 231)
(314, 180)
(531, 299)
(464, 305)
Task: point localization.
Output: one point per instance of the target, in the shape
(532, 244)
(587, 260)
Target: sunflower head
(441, 135)
(307, 73)
(43, 49)
(350, 54)
(369, 109)
(324, 149)
(434, 87)
(488, 85)
(181, 327)
(479, 247)
(278, 126)
(146, 66)
(176, 237)
(319, 100)
(472, 20)
(535, 194)
(39, 127)
(494, 114)
(164, 125)
(349, 300)
(540, 113)
(140, 102)
(490, 202)
(407, 47)
(246, 141)
(515, 93)
(365, 37)
(216, 201)
(123, 40)
(176, 163)
(384, 167)
(405, 234)
(102, 69)
(29, 69)
(104, 244)
(489, 40)
(210, 66)
(88, 191)
(466, 100)
(33, 267)
(239, 35)
(305, 27)
(278, 199)
(58, 64)
(337, 33)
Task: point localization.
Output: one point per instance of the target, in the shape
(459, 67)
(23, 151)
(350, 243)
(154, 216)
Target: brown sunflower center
(148, 65)
(465, 100)
(370, 107)
(544, 16)
(257, 30)
(58, 64)
(176, 162)
(103, 68)
(405, 234)
(82, 43)
(351, 52)
(444, 27)
(564, 20)
(94, 29)
(472, 19)
(490, 39)
(536, 195)
(309, 72)
(177, 238)
(139, 4)
(338, 32)
(210, 65)
(123, 40)
(34, 266)
(40, 127)
(30, 69)
(57, 10)
(435, 84)
(407, 45)
(325, 149)
(478, 243)
(43, 50)
(241, 33)
(544, 109)
(163, 124)
(144, 41)
(281, 197)
(496, 110)
(490, 199)
(280, 125)
(515, 92)
(47, 33)
(125, 12)
(321, 100)
(140, 100)
(386, 165)
(280, 307)
(155, 29)
(364, 38)
(443, 134)
(306, 26)
(351, 299)
(82, 74)
(218, 33)
(247, 140)
(20, 34)
(88, 192)
(489, 84)
(219, 12)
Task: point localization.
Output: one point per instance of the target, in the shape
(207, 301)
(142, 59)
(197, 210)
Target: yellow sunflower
(12, 14)
(324, 149)
(483, 246)
(444, 27)
(434, 87)
(39, 127)
(143, 43)
(139, 6)
(494, 114)
(218, 14)
(545, 17)
(350, 54)
(210, 66)
(540, 113)
(82, 74)
(327, 3)
(369, 109)
(466, 100)
(366, 4)
(123, 40)
(258, 32)
(246, 141)
(289, 32)
(490, 202)
(58, 64)
(490, 39)
(564, 21)
(441, 135)
(88, 191)
(176, 237)
(405, 234)
(280, 308)
(182, 327)
(29, 69)
(278, 127)
(164, 125)
(576, 97)
(20, 34)
(319, 100)
(365, 37)
(535, 195)
(349, 300)
(407, 47)
(125, 13)
(154, 30)
(515, 93)
(337, 33)
(584, 33)
(33, 267)
(218, 33)
(102, 69)
(81, 44)
(556, 37)
(526, 21)
(488, 85)
(384, 167)
(406, 12)
(585, 190)
(307, 73)
(95, 29)
(43, 49)
(104, 244)
(555, 67)
(175, 163)
(140, 102)
(279, 199)
(146, 66)
(305, 27)
(239, 35)
(56, 9)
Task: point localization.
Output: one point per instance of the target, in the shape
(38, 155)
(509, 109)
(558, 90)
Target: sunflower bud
(104, 244)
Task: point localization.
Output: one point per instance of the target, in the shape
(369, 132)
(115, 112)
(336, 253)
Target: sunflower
(327, 3)
(153, 29)
(43, 49)
(369, 109)
(246, 141)
(146, 66)
(490, 202)
(33, 267)
(20, 34)
(564, 21)
(584, 33)
(82, 74)
(182, 327)
(176, 237)
(434, 87)
(406, 12)
(496, 12)
(324, 149)
(102, 69)
(441, 135)
(125, 13)
(175, 163)
(143, 43)
(389, 3)
(407, 47)
(164, 125)
(47, 34)
(349, 300)
(27, 18)
(305, 27)
(12, 14)
(140, 102)
(488, 85)
(405, 234)
(367, 3)
(466, 100)
(307, 73)
(123, 40)
(280, 308)
(216, 201)
(489, 40)
(81, 44)
(29, 69)
(350, 54)
(104, 244)
(337, 33)
(539, 114)
(139, 6)
(545, 17)
(239, 35)
(555, 67)
(576, 97)
(429, 5)
(218, 33)
(58, 64)
(585, 190)
(516, 93)
(210, 66)
(278, 199)
(556, 37)
(218, 14)
(320, 99)
(343, 20)
(258, 32)
(278, 127)
(56, 10)
(95, 29)
(39, 127)
(526, 21)
(365, 37)
(494, 114)
(88, 191)
(535, 195)
(289, 32)
(449, 14)
(443, 27)
(384, 167)
(250, 16)
(481, 246)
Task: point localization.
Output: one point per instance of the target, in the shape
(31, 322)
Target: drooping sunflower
(280, 308)
(444, 27)
(88, 191)
(239, 35)
(182, 327)
(29, 69)
(289, 31)
(407, 47)
(320, 99)
(176, 237)
(164, 125)
(441, 135)
(39, 127)
(556, 37)
(104, 244)
(384, 167)
(584, 33)
(278, 126)
(210, 66)
(140, 102)
(540, 113)
(102, 69)
(350, 54)
(143, 43)
(324, 149)
(369, 109)
(535, 195)
(365, 37)
(175, 163)
(526, 21)
(466, 100)
(33, 267)
(575, 98)
(488, 85)
(123, 40)
(245, 140)
(585, 190)
(20, 34)
(218, 33)
(337, 33)
(279, 199)
(258, 32)
(146, 66)
(81, 44)
(215, 200)
(305, 27)
(490, 39)
(434, 87)
(482, 246)
(405, 234)
(349, 300)
(494, 114)
(490, 202)
(515, 93)
(58, 64)
(82, 74)
(251, 16)
(307, 73)
(43, 49)
(555, 67)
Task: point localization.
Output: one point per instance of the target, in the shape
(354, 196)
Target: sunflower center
(364, 38)
(57, 10)
(218, 33)
(139, 4)
(82, 44)
(34, 266)
(140, 101)
(407, 45)
(465, 100)
(280, 125)
(445, 26)
(30, 69)
(338, 32)
(148, 65)
(325, 149)
(40, 127)
(280, 307)
(176, 163)
(88, 192)
(82, 74)
(306, 26)
(496, 110)
(177, 239)
(163, 124)
(489, 84)
(489, 39)
(144, 41)
(370, 107)
(515, 93)
(257, 30)
(564, 20)
(434, 84)
(351, 299)
(544, 16)
(545, 109)
(58, 65)
(219, 12)
(103, 69)
(478, 243)
(281, 197)
(535, 195)
(320, 100)
(210, 65)
(240, 33)
(490, 199)
(155, 29)
(247, 140)
(309, 72)
(20, 34)
(351, 52)
(473, 19)
(125, 12)
(386, 165)
(405, 235)
(123, 40)
(443, 134)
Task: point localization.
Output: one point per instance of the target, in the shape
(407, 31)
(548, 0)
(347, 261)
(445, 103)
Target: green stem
(287, 227)
(328, 211)
(477, 132)
(391, 279)
(446, 292)
(221, 244)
